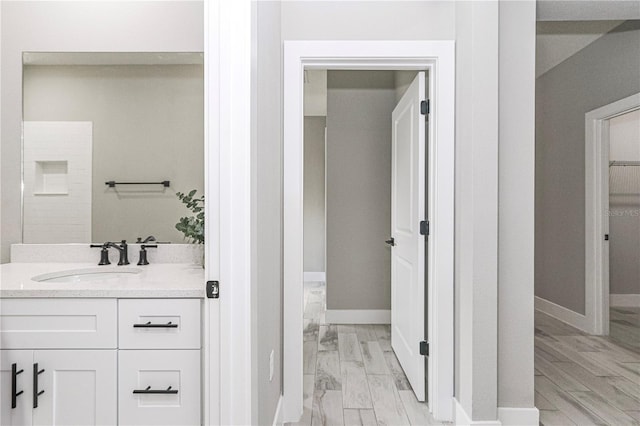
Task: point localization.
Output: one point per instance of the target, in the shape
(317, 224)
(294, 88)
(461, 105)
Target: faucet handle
(143, 253)
(104, 253)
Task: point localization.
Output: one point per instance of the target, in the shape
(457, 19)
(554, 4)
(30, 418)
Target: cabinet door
(15, 387)
(159, 387)
(79, 387)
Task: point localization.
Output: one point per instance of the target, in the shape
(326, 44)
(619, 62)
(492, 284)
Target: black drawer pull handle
(36, 393)
(14, 385)
(149, 325)
(148, 390)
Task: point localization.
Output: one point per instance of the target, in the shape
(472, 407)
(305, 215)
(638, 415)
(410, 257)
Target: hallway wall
(314, 194)
(605, 71)
(359, 106)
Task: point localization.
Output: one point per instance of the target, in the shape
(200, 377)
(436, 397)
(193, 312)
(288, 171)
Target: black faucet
(104, 253)
(123, 248)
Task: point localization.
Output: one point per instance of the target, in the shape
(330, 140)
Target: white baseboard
(315, 276)
(506, 417)
(624, 300)
(463, 419)
(354, 316)
(277, 418)
(519, 416)
(572, 318)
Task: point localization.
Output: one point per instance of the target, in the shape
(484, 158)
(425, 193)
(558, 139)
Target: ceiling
(558, 40)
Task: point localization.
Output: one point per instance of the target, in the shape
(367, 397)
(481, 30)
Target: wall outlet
(271, 365)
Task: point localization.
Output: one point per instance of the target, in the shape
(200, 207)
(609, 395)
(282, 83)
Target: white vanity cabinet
(64, 361)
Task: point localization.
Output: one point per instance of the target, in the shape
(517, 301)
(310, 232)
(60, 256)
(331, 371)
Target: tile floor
(588, 380)
(351, 375)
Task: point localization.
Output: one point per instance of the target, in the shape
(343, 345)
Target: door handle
(14, 385)
(391, 242)
(36, 393)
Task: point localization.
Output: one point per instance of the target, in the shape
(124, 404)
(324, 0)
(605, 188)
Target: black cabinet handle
(148, 390)
(14, 385)
(149, 325)
(36, 393)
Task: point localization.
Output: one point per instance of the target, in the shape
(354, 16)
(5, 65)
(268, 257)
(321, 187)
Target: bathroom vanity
(105, 345)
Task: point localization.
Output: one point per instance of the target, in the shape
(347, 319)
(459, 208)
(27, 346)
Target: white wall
(516, 209)
(147, 126)
(127, 26)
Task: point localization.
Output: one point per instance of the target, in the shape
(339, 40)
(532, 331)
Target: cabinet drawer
(159, 387)
(159, 323)
(58, 323)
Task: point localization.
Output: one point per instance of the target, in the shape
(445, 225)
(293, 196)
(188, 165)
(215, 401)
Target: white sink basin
(87, 274)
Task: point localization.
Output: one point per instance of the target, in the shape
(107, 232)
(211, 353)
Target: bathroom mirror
(108, 141)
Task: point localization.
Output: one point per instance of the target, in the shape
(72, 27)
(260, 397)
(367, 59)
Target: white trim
(234, 170)
(439, 58)
(624, 300)
(566, 315)
(463, 419)
(277, 417)
(211, 307)
(355, 316)
(596, 205)
(509, 416)
(315, 276)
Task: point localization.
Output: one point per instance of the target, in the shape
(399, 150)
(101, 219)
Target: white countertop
(163, 280)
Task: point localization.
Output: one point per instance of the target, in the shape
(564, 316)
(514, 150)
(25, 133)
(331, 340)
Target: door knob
(391, 242)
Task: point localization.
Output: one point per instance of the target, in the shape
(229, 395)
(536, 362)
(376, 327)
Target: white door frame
(596, 205)
(227, 379)
(438, 57)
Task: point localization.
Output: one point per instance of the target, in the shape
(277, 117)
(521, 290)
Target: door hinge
(424, 348)
(424, 227)
(425, 107)
(606, 237)
(213, 289)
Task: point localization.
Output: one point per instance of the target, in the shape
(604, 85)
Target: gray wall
(359, 106)
(314, 195)
(153, 26)
(605, 71)
(266, 216)
(148, 125)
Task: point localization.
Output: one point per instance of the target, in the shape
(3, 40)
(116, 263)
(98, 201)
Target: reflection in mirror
(136, 119)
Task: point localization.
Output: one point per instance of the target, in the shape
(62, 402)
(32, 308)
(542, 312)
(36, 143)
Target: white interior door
(408, 246)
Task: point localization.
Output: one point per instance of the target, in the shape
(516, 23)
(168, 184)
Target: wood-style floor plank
(349, 347)
(373, 357)
(602, 409)
(601, 386)
(554, 418)
(402, 383)
(327, 408)
(309, 356)
(417, 412)
(569, 406)
(328, 338)
(328, 376)
(359, 417)
(355, 386)
(387, 404)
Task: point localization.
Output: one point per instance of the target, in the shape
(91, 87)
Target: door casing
(438, 59)
(596, 318)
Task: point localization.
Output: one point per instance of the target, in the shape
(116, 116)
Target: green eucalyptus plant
(192, 226)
